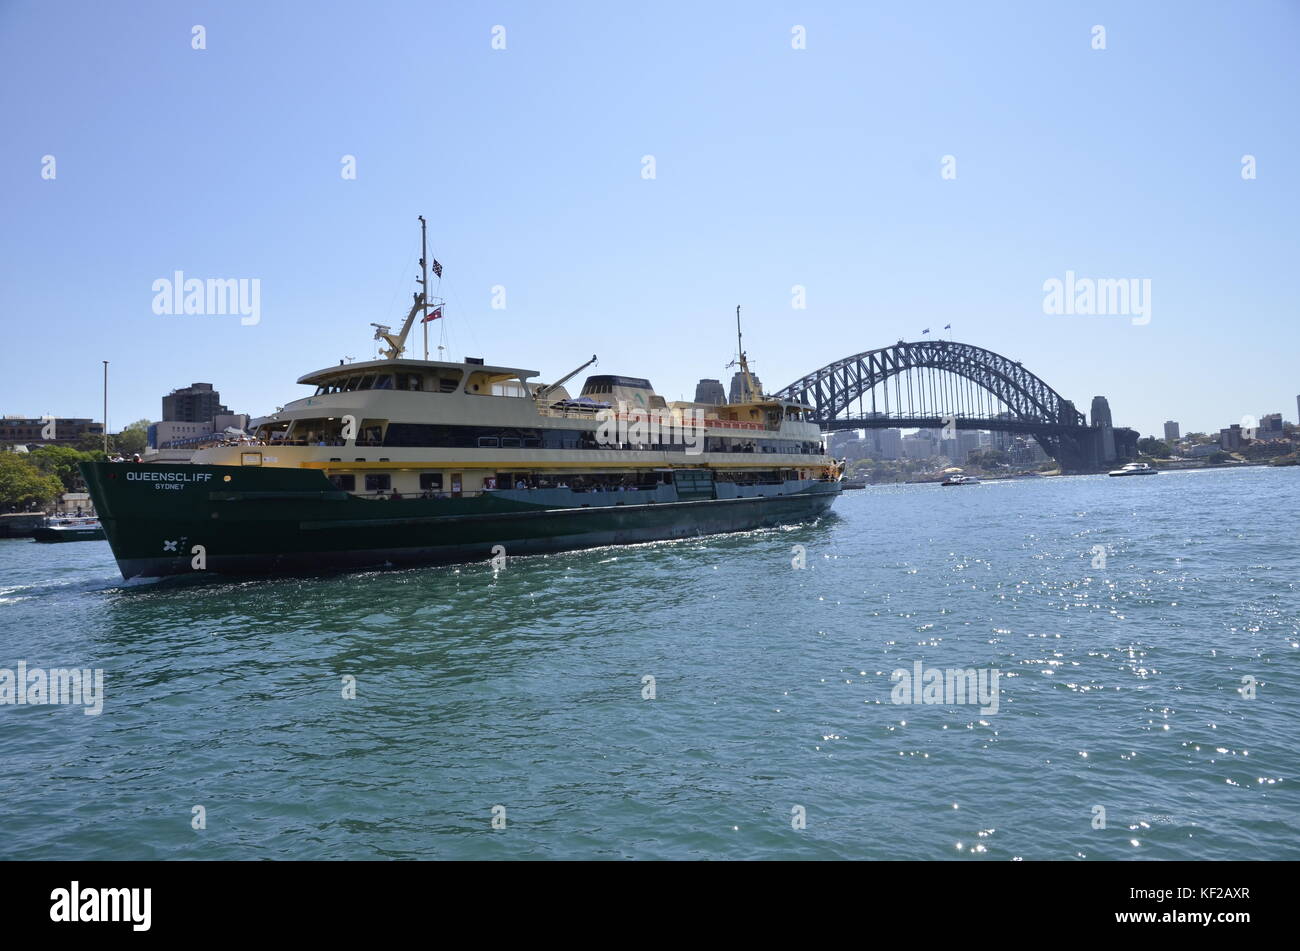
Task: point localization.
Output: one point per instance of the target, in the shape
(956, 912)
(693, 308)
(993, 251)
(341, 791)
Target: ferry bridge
(933, 384)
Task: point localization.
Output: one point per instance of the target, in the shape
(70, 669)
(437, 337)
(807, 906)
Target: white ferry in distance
(1134, 469)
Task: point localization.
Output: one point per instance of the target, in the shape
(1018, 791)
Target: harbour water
(1162, 686)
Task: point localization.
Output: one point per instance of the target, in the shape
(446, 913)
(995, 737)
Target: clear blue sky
(775, 167)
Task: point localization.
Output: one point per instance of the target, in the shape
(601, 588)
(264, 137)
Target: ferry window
(348, 483)
(366, 383)
(488, 442)
(408, 381)
(350, 384)
(430, 481)
(447, 386)
(376, 482)
(510, 442)
(384, 382)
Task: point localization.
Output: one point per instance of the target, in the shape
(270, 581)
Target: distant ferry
(69, 529)
(396, 461)
(1134, 469)
(960, 480)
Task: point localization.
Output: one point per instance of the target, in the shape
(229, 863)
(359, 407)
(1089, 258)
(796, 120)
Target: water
(1119, 688)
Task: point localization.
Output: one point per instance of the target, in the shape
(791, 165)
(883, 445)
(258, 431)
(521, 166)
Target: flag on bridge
(926, 330)
(433, 315)
(947, 326)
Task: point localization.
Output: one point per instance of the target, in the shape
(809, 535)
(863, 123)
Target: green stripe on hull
(266, 520)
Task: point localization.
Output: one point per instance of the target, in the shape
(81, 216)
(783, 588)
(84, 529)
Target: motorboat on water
(960, 480)
(69, 529)
(1134, 469)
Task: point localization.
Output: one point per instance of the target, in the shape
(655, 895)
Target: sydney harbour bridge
(945, 385)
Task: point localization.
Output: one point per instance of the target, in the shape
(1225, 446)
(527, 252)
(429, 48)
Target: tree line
(32, 480)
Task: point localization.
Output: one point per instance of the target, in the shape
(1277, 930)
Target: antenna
(424, 283)
(740, 348)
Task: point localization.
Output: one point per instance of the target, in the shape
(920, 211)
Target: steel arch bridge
(941, 383)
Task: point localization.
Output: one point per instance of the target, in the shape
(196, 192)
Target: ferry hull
(181, 520)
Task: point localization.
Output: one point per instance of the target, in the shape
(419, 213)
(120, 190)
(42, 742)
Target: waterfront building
(26, 430)
(839, 441)
(1171, 431)
(889, 443)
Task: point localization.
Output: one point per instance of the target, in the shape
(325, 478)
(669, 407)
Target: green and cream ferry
(399, 461)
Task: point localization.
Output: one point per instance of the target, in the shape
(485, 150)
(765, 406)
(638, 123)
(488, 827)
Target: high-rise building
(1171, 431)
(738, 394)
(889, 443)
(196, 403)
(710, 392)
(838, 440)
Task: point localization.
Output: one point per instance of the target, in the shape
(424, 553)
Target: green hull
(183, 519)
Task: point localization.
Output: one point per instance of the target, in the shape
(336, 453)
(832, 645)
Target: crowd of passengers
(586, 483)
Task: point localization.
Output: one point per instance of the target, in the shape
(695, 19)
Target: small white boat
(69, 529)
(960, 480)
(1134, 468)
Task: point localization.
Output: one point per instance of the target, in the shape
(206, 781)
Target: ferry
(1134, 469)
(69, 529)
(398, 461)
(960, 479)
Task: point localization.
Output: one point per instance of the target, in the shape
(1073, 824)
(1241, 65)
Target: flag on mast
(437, 268)
(433, 315)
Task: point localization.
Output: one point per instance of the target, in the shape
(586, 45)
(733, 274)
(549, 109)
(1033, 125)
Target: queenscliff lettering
(948, 686)
(103, 904)
(158, 475)
(64, 686)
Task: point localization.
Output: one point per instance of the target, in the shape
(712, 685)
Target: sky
(774, 168)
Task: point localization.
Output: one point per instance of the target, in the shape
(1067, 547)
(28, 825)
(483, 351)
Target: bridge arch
(833, 389)
(960, 385)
